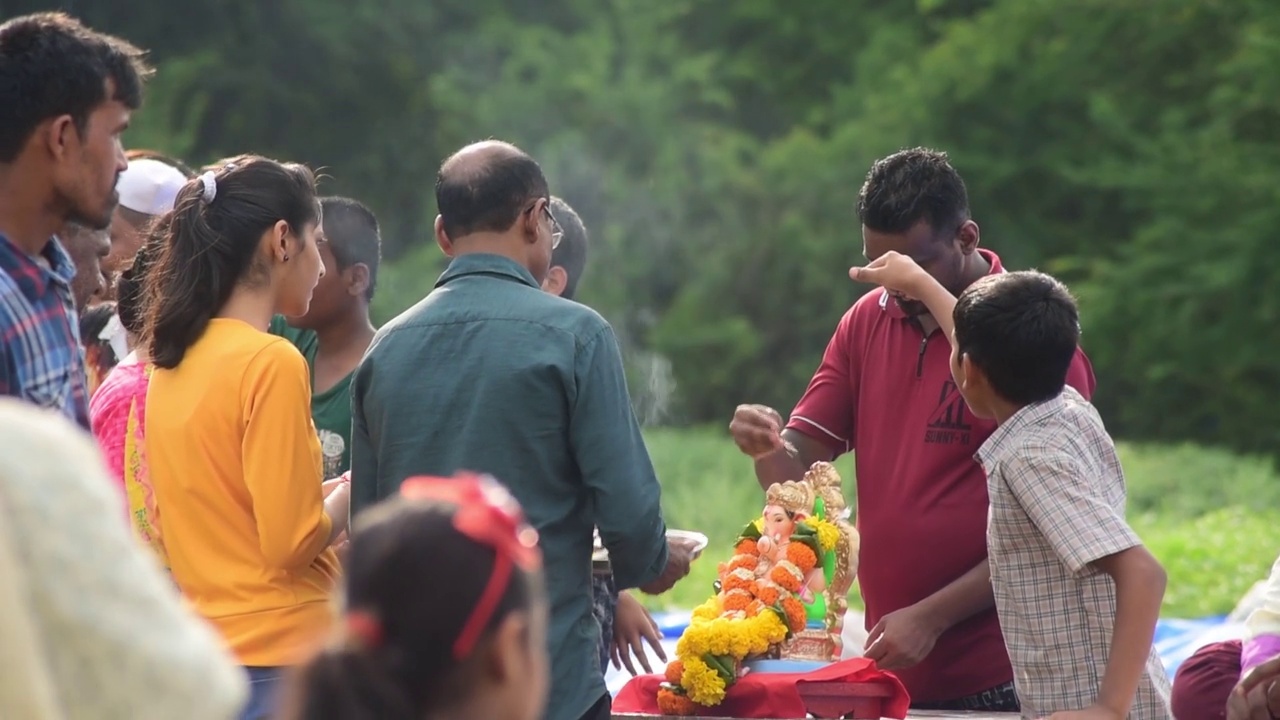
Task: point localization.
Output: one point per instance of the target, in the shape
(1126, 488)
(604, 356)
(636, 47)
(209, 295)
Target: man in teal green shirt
(490, 374)
(336, 330)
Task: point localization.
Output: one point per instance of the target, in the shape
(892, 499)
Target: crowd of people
(229, 495)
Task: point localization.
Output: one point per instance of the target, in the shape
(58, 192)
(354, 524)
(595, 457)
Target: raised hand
(893, 271)
(757, 430)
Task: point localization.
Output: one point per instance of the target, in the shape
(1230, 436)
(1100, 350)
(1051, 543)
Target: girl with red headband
(445, 612)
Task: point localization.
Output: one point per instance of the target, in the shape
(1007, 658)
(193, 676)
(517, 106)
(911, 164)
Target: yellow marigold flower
(828, 535)
(708, 610)
(740, 643)
(703, 685)
(720, 639)
(774, 630)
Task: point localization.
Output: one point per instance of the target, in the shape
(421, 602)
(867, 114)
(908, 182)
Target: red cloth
(769, 695)
(885, 390)
(1205, 680)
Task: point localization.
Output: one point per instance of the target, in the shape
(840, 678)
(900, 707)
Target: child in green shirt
(336, 330)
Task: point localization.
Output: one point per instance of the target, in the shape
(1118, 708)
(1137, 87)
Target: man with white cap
(147, 190)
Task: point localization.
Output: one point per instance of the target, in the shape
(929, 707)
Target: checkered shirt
(1057, 504)
(41, 359)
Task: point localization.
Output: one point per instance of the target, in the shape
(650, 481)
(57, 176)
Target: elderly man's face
(87, 249)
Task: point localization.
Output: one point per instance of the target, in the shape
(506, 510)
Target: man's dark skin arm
(905, 637)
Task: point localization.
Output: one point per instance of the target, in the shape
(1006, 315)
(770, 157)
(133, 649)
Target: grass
(1202, 512)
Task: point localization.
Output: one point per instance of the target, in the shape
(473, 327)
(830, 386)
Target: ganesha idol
(780, 600)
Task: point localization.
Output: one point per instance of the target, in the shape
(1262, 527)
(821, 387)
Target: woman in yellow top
(234, 458)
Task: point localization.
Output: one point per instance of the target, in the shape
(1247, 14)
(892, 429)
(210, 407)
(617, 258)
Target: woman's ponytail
(211, 244)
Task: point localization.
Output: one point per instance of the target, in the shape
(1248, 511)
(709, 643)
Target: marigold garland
(747, 618)
(708, 610)
(739, 579)
(787, 576)
(801, 556)
(766, 590)
(796, 616)
(671, 702)
(737, 600)
(743, 561)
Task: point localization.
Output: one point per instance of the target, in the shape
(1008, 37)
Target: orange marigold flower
(785, 577)
(739, 579)
(737, 599)
(746, 562)
(766, 591)
(796, 619)
(674, 670)
(672, 703)
(755, 608)
(747, 547)
(802, 555)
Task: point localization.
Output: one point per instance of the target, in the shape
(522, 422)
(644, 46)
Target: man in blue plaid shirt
(66, 96)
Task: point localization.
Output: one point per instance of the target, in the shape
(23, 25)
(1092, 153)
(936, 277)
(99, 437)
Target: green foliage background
(715, 150)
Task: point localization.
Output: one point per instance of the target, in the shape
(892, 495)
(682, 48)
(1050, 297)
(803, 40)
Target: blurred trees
(715, 149)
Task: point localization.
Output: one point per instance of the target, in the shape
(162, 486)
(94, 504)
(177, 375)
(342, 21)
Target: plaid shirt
(43, 361)
(1057, 504)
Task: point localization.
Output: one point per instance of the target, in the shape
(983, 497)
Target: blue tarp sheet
(1175, 641)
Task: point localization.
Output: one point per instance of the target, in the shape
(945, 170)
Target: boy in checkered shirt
(1077, 593)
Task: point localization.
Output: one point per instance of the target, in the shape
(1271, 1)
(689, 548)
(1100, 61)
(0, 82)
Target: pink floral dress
(117, 416)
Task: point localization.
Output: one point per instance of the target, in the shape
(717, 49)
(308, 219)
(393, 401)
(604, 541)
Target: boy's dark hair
(93, 319)
(353, 235)
(51, 65)
(211, 247)
(131, 287)
(571, 253)
(399, 551)
(910, 186)
(487, 194)
(1022, 330)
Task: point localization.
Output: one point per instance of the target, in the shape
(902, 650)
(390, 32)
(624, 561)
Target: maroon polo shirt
(885, 391)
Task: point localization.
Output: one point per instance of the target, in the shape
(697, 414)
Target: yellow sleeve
(282, 462)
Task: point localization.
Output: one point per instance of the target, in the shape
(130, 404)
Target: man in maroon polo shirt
(884, 390)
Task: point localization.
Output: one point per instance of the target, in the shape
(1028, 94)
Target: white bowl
(700, 541)
(600, 554)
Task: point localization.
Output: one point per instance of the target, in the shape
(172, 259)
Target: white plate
(700, 541)
(600, 554)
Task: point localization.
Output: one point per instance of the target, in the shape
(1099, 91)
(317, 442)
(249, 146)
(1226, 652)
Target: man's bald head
(485, 186)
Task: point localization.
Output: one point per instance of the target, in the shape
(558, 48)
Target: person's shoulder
(1076, 413)
(581, 320)
(535, 307)
(274, 352)
(1069, 432)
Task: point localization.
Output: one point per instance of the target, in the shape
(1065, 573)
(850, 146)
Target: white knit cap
(149, 186)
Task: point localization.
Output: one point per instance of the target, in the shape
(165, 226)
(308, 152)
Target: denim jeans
(264, 692)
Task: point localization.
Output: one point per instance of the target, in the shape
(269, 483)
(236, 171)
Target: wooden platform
(913, 715)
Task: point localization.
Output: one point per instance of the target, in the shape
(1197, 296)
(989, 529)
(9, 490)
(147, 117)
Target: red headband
(487, 514)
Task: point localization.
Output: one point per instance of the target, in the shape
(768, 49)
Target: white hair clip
(210, 186)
